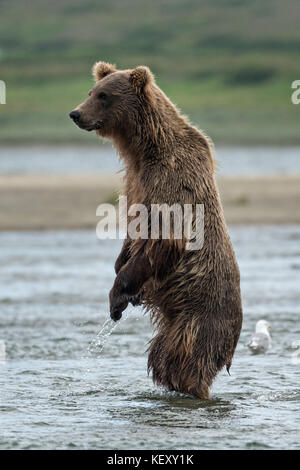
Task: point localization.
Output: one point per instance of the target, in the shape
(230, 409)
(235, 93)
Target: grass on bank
(261, 114)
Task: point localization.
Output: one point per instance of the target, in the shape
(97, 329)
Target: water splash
(99, 342)
(97, 345)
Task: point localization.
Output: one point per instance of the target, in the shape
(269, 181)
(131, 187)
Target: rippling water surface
(232, 161)
(66, 385)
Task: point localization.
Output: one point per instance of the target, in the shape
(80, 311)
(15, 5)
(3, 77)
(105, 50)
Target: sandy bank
(34, 202)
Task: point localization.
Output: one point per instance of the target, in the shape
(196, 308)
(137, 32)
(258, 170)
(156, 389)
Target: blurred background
(228, 65)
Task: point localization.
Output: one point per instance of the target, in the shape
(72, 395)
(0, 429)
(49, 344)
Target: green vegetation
(228, 64)
(113, 198)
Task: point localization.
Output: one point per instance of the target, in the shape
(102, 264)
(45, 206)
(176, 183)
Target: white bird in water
(261, 340)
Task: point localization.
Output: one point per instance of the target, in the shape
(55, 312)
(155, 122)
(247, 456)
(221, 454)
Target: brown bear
(193, 295)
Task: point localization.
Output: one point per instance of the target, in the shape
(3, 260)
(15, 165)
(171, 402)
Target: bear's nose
(75, 115)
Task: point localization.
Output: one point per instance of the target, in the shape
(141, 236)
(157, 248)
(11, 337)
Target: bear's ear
(140, 77)
(101, 69)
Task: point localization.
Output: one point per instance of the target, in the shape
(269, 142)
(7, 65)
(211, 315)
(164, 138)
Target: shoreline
(66, 202)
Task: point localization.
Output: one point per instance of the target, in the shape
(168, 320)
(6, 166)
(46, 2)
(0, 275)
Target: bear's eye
(102, 95)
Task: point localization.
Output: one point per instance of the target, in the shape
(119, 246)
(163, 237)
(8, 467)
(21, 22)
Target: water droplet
(99, 342)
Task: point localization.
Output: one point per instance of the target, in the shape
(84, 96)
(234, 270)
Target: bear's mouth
(92, 127)
(80, 122)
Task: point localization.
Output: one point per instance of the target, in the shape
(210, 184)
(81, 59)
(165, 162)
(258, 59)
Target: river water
(67, 385)
(231, 161)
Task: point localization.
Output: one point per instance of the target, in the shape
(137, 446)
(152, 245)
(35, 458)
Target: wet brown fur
(193, 296)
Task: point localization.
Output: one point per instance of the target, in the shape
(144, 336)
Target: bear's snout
(75, 115)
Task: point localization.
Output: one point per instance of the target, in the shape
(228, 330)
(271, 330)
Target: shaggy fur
(193, 296)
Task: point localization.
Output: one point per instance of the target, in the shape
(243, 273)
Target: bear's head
(115, 99)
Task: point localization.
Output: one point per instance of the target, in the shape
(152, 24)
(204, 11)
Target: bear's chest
(134, 189)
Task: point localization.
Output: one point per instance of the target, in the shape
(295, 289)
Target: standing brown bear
(193, 295)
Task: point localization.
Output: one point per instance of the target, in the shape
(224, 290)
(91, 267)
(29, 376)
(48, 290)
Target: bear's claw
(117, 306)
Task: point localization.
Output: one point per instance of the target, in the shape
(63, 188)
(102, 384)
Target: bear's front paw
(136, 299)
(119, 264)
(117, 305)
